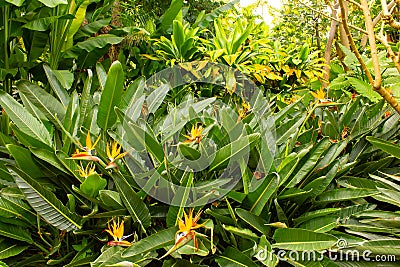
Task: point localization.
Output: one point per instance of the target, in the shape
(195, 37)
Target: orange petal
(111, 165)
(122, 243)
(84, 156)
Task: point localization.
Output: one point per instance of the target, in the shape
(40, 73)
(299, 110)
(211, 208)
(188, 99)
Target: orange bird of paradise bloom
(186, 232)
(114, 154)
(195, 134)
(86, 154)
(87, 171)
(320, 95)
(243, 110)
(116, 231)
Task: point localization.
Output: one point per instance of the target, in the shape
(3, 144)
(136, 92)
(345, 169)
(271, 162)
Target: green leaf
(97, 42)
(234, 258)
(346, 194)
(263, 194)
(23, 119)
(111, 96)
(93, 184)
(111, 199)
(38, 44)
(156, 97)
(302, 240)
(16, 207)
(189, 152)
(140, 139)
(308, 162)
(10, 250)
(41, 24)
(381, 247)
(257, 222)
(242, 232)
(386, 146)
(158, 240)
(54, 3)
(15, 232)
(44, 101)
(210, 17)
(179, 202)
(16, 3)
(136, 207)
(131, 97)
(24, 160)
(85, 97)
(71, 165)
(364, 89)
(233, 151)
(4, 72)
(91, 28)
(45, 202)
(28, 140)
(101, 75)
(315, 214)
(170, 14)
(56, 85)
(321, 224)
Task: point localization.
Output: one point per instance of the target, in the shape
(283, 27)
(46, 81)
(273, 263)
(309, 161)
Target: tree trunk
(328, 48)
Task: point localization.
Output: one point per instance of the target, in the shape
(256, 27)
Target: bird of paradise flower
(186, 232)
(116, 231)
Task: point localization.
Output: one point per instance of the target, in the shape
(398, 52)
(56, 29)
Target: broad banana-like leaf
(235, 258)
(111, 96)
(45, 202)
(136, 207)
(158, 240)
(10, 249)
(25, 121)
(302, 240)
(386, 146)
(170, 14)
(44, 101)
(54, 3)
(59, 90)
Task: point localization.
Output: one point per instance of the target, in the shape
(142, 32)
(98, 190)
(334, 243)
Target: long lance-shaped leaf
(23, 119)
(85, 99)
(234, 151)
(235, 258)
(158, 240)
(170, 14)
(136, 207)
(386, 146)
(55, 84)
(260, 197)
(9, 250)
(53, 3)
(302, 240)
(45, 202)
(175, 211)
(111, 96)
(15, 232)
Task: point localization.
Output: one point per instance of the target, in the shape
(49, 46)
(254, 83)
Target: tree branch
(376, 20)
(335, 19)
(328, 48)
(353, 45)
(377, 83)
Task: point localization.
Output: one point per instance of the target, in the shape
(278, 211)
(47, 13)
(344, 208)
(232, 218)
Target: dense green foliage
(86, 140)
